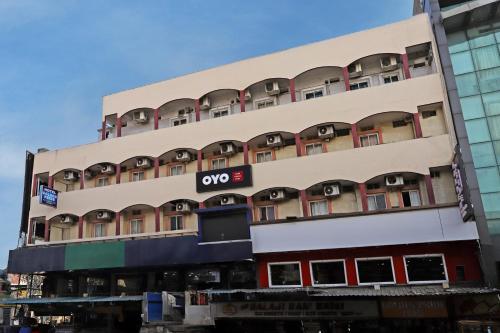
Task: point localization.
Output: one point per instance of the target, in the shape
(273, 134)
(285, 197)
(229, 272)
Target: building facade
(313, 184)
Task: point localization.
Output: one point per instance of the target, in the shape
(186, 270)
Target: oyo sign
(222, 179)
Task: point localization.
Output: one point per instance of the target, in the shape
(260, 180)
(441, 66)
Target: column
(201, 205)
(34, 187)
(430, 189)
(30, 231)
(156, 117)
(298, 145)
(292, 90)
(80, 227)
(157, 219)
(82, 179)
(303, 200)
(51, 182)
(46, 234)
(118, 223)
(157, 167)
(199, 160)
(345, 74)
(197, 109)
(399, 269)
(250, 208)
(242, 100)
(350, 266)
(118, 126)
(364, 197)
(245, 153)
(406, 66)
(118, 171)
(418, 127)
(355, 136)
(103, 131)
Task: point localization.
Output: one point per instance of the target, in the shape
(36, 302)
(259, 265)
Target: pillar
(364, 197)
(118, 223)
(199, 160)
(157, 219)
(303, 200)
(103, 131)
(201, 205)
(156, 118)
(51, 182)
(406, 66)
(298, 145)
(118, 126)
(157, 167)
(34, 187)
(430, 189)
(242, 100)
(46, 234)
(197, 109)
(399, 269)
(292, 90)
(345, 74)
(250, 208)
(82, 179)
(80, 227)
(30, 231)
(245, 153)
(418, 127)
(355, 136)
(118, 173)
(350, 266)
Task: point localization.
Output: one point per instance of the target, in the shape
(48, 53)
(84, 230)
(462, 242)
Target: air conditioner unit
(103, 215)
(182, 156)
(108, 169)
(276, 195)
(205, 103)
(71, 175)
(274, 140)
(272, 88)
(227, 200)
(248, 95)
(422, 61)
(182, 207)
(227, 148)
(394, 180)
(388, 63)
(331, 190)
(181, 113)
(143, 162)
(67, 219)
(355, 70)
(326, 132)
(140, 117)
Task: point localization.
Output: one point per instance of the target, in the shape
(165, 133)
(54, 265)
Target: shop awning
(59, 300)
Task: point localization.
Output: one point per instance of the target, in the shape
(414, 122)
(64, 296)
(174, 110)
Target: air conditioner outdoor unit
(248, 95)
(182, 156)
(394, 180)
(326, 132)
(103, 215)
(140, 117)
(227, 200)
(71, 175)
(388, 63)
(276, 195)
(205, 103)
(273, 140)
(182, 207)
(355, 70)
(143, 162)
(108, 169)
(227, 148)
(331, 190)
(67, 219)
(422, 61)
(272, 88)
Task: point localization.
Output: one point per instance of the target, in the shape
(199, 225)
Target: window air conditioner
(140, 117)
(67, 219)
(108, 169)
(71, 175)
(276, 195)
(205, 103)
(182, 156)
(272, 88)
(388, 63)
(182, 207)
(355, 70)
(394, 180)
(331, 190)
(143, 162)
(248, 95)
(227, 148)
(326, 132)
(273, 140)
(103, 215)
(227, 200)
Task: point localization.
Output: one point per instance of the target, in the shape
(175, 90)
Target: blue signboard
(47, 196)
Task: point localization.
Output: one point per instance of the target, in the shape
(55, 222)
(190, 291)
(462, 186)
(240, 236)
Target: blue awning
(55, 300)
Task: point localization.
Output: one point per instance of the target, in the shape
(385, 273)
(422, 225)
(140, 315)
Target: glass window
(491, 103)
(476, 40)
(483, 155)
(490, 203)
(308, 94)
(217, 113)
(376, 201)
(176, 170)
(264, 103)
(102, 182)
(285, 274)
(137, 176)
(489, 80)
(411, 198)
(319, 207)
(65, 233)
(99, 230)
(218, 163)
(391, 78)
(326, 273)
(477, 130)
(425, 269)
(135, 226)
(375, 271)
(179, 121)
(486, 57)
(359, 85)
(264, 156)
(267, 213)
(462, 63)
(488, 179)
(467, 85)
(472, 107)
(457, 42)
(314, 148)
(496, 147)
(176, 222)
(494, 226)
(494, 123)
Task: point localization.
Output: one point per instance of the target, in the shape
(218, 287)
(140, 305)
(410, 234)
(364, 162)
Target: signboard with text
(461, 189)
(47, 196)
(414, 308)
(223, 179)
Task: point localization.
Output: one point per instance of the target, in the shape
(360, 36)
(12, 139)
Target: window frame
(311, 262)
(426, 256)
(176, 216)
(221, 108)
(98, 178)
(313, 89)
(360, 80)
(132, 219)
(367, 135)
(387, 204)
(101, 225)
(265, 99)
(310, 202)
(259, 215)
(270, 281)
(390, 75)
(172, 120)
(176, 165)
(138, 171)
(411, 190)
(315, 143)
(265, 151)
(216, 158)
(375, 283)
(63, 232)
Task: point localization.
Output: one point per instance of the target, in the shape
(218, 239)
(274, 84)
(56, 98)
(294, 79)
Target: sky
(58, 58)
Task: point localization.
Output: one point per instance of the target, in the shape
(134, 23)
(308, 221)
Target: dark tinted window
(285, 274)
(425, 269)
(328, 272)
(375, 271)
(224, 227)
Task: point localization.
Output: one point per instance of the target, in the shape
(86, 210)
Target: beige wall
(433, 126)
(286, 152)
(444, 187)
(394, 134)
(340, 143)
(345, 203)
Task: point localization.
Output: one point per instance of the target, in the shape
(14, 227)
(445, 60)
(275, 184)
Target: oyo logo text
(215, 179)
